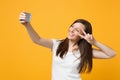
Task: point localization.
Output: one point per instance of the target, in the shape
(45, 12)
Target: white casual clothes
(65, 68)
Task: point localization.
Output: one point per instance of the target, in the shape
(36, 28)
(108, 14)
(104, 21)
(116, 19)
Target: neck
(72, 45)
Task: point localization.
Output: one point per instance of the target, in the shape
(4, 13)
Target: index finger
(81, 36)
(83, 32)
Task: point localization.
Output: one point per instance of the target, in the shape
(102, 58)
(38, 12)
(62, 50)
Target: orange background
(21, 59)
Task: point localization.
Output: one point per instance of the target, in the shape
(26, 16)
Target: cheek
(69, 29)
(81, 32)
(76, 35)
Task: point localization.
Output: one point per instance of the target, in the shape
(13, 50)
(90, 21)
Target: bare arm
(103, 51)
(33, 34)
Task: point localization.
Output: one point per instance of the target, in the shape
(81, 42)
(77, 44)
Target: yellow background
(21, 59)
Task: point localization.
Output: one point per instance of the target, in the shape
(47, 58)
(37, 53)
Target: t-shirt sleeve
(55, 45)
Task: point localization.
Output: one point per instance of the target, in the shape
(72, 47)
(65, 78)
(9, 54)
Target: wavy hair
(85, 48)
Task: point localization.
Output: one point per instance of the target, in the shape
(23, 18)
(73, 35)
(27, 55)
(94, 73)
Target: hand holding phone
(25, 17)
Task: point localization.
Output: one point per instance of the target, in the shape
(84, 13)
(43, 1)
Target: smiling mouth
(71, 34)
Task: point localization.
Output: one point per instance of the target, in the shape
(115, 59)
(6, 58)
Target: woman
(74, 54)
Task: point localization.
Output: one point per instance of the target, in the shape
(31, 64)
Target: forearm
(32, 33)
(104, 48)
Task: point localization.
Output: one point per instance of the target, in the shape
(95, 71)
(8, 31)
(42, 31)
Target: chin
(70, 38)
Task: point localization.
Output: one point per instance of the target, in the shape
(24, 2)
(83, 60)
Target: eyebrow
(75, 28)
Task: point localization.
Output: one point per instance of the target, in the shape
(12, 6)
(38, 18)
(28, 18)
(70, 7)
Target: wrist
(27, 24)
(95, 42)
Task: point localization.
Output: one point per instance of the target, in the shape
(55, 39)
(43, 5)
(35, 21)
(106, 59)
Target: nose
(72, 30)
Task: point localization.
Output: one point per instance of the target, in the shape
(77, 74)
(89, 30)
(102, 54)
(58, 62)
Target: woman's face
(74, 30)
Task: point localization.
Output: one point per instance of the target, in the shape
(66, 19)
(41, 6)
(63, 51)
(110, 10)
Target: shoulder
(56, 42)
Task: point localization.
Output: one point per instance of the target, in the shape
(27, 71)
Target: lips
(71, 34)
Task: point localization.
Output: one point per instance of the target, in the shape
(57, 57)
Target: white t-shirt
(66, 68)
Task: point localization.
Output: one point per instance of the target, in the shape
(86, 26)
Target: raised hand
(24, 17)
(88, 37)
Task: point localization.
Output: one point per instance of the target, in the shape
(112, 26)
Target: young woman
(72, 55)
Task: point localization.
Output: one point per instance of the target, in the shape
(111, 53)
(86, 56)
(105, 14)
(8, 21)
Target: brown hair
(84, 47)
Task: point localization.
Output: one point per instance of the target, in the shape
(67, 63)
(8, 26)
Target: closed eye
(77, 30)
